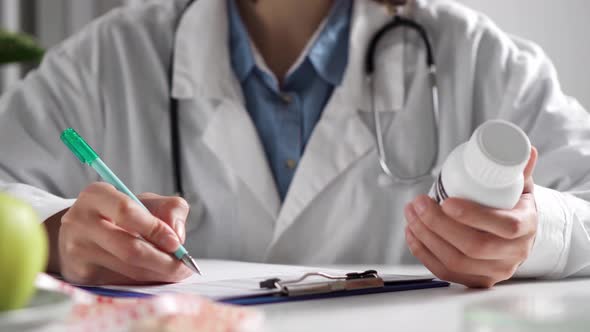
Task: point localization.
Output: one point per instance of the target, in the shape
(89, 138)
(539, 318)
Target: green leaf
(17, 47)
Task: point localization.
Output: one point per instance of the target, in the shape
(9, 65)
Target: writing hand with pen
(110, 236)
(99, 244)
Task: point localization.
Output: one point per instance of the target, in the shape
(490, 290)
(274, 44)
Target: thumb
(172, 210)
(529, 184)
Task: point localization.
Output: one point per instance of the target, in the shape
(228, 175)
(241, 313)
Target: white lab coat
(110, 83)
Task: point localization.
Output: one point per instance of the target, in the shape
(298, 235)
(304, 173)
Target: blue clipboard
(351, 284)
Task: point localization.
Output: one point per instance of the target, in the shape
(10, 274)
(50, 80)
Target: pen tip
(191, 264)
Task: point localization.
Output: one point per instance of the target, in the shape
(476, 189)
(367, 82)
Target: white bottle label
(438, 192)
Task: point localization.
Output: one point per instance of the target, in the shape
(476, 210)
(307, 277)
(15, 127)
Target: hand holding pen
(111, 237)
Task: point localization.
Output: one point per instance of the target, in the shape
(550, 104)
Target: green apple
(23, 252)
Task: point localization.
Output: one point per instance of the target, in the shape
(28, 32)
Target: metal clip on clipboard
(347, 282)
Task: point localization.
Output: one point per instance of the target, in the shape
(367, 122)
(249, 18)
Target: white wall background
(561, 27)
(10, 21)
(59, 18)
(50, 21)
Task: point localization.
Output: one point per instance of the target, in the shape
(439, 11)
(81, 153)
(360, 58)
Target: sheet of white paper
(227, 279)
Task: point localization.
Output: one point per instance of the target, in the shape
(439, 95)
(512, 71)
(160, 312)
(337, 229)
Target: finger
(438, 269)
(81, 255)
(78, 267)
(508, 224)
(136, 252)
(469, 240)
(530, 167)
(529, 184)
(454, 260)
(116, 207)
(128, 272)
(94, 275)
(172, 210)
(109, 277)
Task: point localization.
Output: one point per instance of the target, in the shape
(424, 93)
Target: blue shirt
(286, 115)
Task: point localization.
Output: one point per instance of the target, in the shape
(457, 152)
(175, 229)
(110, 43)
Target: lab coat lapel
(341, 137)
(337, 142)
(231, 135)
(202, 71)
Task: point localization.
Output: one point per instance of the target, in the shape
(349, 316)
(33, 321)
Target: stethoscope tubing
(397, 22)
(370, 57)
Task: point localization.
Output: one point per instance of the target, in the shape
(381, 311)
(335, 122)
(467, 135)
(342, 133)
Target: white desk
(436, 310)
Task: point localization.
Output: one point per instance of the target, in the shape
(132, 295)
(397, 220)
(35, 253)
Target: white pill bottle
(487, 169)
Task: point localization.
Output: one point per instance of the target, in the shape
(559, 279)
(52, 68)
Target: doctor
(277, 150)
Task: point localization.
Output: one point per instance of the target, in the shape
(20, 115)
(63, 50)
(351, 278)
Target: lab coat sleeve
(516, 81)
(34, 165)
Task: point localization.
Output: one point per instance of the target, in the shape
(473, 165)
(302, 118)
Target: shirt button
(286, 98)
(291, 164)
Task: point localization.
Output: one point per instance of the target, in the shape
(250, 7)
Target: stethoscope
(390, 175)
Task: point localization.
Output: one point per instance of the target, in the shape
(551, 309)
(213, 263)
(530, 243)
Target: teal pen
(87, 155)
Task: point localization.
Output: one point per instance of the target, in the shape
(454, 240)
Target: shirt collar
(202, 56)
(328, 54)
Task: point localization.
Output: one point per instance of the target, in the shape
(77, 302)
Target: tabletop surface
(440, 309)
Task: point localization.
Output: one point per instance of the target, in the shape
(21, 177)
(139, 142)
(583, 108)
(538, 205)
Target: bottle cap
(497, 153)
